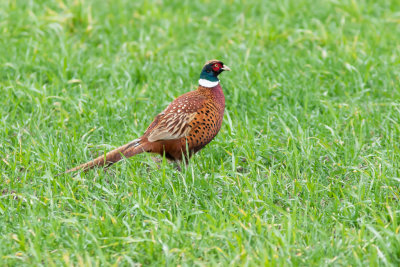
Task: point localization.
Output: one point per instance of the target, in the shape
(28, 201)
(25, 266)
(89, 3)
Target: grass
(305, 170)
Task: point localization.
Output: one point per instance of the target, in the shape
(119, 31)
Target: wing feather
(172, 126)
(174, 121)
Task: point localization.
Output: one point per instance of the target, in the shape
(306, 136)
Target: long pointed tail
(132, 148)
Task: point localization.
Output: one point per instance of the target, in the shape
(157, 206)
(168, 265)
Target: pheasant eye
(216, 67)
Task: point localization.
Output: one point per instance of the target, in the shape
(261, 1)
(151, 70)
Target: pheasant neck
(215, 94)
(207, 83)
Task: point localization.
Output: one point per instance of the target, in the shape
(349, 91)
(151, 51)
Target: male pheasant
(189, 123)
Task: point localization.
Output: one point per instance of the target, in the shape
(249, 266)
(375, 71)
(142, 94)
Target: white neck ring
(207, 83)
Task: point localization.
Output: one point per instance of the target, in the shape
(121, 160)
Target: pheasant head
(210, 72)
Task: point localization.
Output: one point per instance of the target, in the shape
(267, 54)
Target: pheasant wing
(174, 121)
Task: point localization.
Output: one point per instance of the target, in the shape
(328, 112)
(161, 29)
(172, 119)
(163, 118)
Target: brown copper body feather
(189, 123)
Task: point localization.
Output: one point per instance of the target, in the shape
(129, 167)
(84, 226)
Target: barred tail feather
(128, 150)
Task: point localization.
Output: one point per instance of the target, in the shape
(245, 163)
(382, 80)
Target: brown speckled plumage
(189, 123)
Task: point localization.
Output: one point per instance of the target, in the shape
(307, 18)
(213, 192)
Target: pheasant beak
(226, 68)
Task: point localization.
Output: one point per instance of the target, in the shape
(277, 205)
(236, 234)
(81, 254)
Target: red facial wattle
(216, 67)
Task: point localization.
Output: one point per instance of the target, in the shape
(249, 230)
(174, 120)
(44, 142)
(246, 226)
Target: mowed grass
(305, 170)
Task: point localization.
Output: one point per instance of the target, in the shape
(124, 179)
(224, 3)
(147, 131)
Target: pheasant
(188, 124)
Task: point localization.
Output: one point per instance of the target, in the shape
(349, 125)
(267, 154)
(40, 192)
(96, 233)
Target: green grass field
(305, 170)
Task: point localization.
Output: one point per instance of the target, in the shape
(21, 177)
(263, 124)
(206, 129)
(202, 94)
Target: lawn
(305, 170)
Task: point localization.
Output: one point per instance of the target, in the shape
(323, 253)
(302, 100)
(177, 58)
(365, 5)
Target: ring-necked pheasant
(189, 123)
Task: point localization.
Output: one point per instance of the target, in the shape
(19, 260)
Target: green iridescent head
(212, 69)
